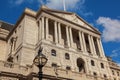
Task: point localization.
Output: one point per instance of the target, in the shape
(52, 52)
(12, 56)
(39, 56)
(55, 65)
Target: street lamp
(40, 60)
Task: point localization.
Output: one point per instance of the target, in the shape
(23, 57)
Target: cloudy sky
(102, 14)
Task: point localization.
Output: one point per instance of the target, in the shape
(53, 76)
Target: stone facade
(72, 46)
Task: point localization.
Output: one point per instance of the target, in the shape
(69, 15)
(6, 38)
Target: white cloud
(118, 64)
(19, 2)
(115, 53)
(16, 2)
(71, 5)
(58, 4)
(111, 30)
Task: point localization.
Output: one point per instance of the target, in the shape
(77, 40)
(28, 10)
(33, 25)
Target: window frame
(53, 52)
(67, 56)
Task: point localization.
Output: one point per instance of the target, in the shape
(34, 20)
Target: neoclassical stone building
(72, 46)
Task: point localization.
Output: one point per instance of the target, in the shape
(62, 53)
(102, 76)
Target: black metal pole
(40, 73)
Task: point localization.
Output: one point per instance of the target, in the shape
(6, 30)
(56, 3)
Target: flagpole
(64, 5)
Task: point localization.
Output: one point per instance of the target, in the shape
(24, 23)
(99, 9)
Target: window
(80, 65)
(54, 65)
(94, 73)
(92, 63)
(114, 78)
(17, 57)
(102, 65)
(68, 68)
(105, 76)
(53, 52)
(67, 56)
(113, 72)
(118, 74)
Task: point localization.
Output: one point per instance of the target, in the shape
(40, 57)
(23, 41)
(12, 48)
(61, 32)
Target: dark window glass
(105, 76)
(68, 68)
(53, 52)
(67, 56)
(54, 65)
(92, 63)
(113, 72)
(118, 74)
(102, 65)
(94, 73)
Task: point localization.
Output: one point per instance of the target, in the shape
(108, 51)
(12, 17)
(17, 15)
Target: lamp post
(40, 60)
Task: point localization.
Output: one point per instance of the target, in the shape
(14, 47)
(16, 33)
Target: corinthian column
(59, 32)
(80, 39)
(100, 47)
(94, 50)
(102, 50)
(43, 32)
(39, 30)
(47, 29)
(84, 44)
(67, 35)
(90, 43)
(71, 36)
(55, 32)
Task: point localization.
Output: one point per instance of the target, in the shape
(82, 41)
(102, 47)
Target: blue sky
(102, 14)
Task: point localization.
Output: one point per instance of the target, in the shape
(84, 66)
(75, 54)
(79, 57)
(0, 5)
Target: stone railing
(13, 68)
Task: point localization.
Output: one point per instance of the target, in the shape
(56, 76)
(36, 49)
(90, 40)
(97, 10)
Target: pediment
(74, 18)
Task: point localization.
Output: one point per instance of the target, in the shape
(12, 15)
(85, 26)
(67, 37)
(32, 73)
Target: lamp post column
(40, 73)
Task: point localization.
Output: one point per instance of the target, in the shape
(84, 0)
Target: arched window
(102, 65)
(92, 63)
(53, 52)
(80, 64)
(67, 56)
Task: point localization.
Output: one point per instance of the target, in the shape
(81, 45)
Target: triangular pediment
(72, 17)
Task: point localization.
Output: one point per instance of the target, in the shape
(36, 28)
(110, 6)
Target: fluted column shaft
(55, 32)
(67, 35)
(71, 37)
(43, 32)
(80, 39)
(47, 28)
(102, 50)
(93, 44)
(59, 33)
(84, 44)
(90, 43)
(39, 30)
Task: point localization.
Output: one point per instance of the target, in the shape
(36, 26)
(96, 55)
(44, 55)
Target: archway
(81, 65)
